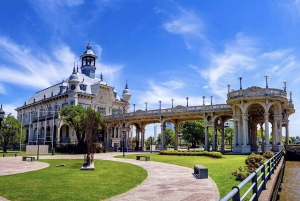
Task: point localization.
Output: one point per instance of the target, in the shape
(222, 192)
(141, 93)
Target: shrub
(268, 154)
(253, 161)
(191, 153)
(240, 174)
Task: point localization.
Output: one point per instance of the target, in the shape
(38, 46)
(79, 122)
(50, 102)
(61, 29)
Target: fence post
(272, 162)
(263, 177)
(254, 189)
(236, 197)
(269, 170)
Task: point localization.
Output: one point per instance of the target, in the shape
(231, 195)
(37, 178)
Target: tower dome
(88, 62)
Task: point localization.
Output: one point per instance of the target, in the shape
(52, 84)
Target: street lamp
(133, 107)
(187, 101)
(266, 76)
(211, 99)
(284, 88)
(146, 106)
(203, 100)
(159, 104)
(38, 149)
(2, 113)
(228, 85)
(240, 78)
(172, 102)
(123, 144)
(151, 144)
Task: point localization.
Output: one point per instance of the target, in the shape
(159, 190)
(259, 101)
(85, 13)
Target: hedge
(192, 153)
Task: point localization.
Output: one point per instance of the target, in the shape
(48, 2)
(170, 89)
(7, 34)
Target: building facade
(40, 117)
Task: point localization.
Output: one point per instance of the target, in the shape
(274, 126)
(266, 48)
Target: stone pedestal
(246, 149)
(237, 149)
(267, 148)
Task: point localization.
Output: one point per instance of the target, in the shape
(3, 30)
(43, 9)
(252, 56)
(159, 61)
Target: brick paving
(165, 182)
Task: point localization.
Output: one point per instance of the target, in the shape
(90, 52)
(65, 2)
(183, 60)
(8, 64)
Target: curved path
(164, 182)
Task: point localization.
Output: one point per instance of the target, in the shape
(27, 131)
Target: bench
(147, 158)
(32, 158)
(201, 171)
(14, 154)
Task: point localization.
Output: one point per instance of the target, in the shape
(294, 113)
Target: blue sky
(164, 49)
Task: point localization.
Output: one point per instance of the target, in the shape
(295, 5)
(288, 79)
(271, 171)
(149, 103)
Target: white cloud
(39, 70)
(173, 84)
(205, 87)
(237, 57)
(2, 89)
(186, 24)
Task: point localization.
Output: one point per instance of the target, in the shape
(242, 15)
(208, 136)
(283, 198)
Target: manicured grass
(218, 169)
(70, 183)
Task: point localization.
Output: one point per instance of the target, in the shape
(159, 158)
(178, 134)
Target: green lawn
(70, 183)
(218, 169)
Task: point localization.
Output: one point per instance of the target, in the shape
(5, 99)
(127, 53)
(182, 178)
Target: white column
(240, 132)
(280, 131)
(163, 137)
(235, 131)
(245, 129)
(206, 147)
(222, 139)
(176, 137)
(267, 134)
(214, 138)
(275, 129)
(287, 134)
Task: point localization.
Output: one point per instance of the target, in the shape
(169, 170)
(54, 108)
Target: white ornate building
(40, 116)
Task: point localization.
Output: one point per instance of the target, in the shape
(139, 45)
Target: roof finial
(101, 77)
(74, 69)
(77, 67)
(126, 86)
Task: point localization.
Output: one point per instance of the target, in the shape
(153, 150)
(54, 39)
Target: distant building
(170, 125)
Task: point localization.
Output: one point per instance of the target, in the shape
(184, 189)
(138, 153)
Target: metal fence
(258, 178)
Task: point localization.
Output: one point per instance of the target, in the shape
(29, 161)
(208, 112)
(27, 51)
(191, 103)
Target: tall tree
(192, 132)
(11, 132)
(74, 117)
(92, 122)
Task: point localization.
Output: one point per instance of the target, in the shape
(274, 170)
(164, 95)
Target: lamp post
(38, 149)
(159, 104)
(240, 78)
(266, 76)
(187, 101)
(211, 99)
(172, 102)
(133, 107)
(123, 144)
(146, 106)
(2, 113)
(151, 144)
(228, 85)
(203, 100)
(284, 82)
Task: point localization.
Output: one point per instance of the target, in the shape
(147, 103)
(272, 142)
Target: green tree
(11, 132)
(292, 139)
(228, 135)
(169, 135)
(192, 132)
(92, 122)
(74, 117)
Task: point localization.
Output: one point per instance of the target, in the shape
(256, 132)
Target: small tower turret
(88, 62)
(126, 93)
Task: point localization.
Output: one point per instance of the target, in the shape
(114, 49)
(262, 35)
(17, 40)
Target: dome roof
(74, 76)
(89, 49)
(126, 90)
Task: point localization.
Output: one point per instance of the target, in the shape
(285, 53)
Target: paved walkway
(165, 182)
